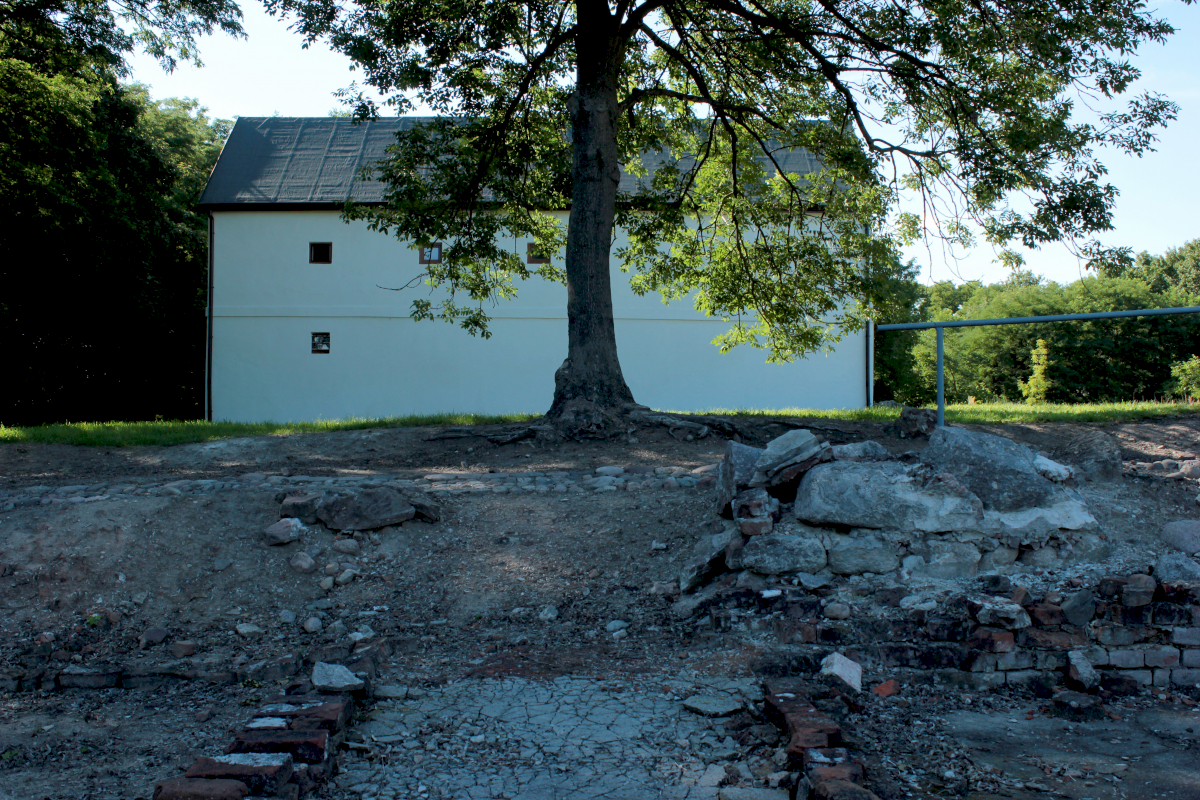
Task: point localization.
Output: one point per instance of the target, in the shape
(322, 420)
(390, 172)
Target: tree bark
(589, 388)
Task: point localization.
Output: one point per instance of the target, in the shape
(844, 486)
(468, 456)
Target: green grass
(124, 434)
(995, 413)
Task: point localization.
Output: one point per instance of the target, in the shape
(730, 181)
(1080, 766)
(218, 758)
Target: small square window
(320, 252)
(532, 256)
(320, 343)
(431, 253)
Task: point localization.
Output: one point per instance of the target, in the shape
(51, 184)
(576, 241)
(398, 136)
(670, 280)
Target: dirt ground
(461, 597)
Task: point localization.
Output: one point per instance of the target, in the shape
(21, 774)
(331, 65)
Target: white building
(300, 328)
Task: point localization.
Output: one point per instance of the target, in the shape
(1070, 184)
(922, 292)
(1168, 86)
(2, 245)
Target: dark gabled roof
(315, 162)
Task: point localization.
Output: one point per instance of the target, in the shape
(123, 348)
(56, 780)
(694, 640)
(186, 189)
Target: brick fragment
(1162, 657)
(1111, 586)
(309, 747)
(889, 688)
(992, 640)
(1046, 614)
(851, 771)
(1188, 636)
(1138, 591)
(199, 789)
(1126, 659)
(329, 716)
(1172, 614)
(263, 773)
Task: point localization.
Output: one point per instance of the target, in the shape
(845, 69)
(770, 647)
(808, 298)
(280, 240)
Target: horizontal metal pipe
(972, 323)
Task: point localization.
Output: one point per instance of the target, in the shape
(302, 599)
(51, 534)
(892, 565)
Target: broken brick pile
(285, 750)
(1125, 632)
(816, 747)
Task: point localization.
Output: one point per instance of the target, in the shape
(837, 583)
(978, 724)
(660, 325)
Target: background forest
(1065, 362)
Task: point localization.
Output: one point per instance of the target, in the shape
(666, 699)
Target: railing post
(941, 400)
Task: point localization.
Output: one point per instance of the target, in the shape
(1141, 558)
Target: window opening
(320, 343)
(534, 256)
(431, 253)
(320, 252)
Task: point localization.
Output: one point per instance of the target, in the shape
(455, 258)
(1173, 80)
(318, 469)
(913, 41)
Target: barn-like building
(302, 328)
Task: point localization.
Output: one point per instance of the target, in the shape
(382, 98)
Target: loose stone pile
(970, 502)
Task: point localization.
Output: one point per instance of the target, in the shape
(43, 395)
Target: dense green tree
(103, 313)
(974, 99)
(1178, 268)
(1101, 360)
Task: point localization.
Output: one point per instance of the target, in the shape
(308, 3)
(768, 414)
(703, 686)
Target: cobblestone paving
(545, 740)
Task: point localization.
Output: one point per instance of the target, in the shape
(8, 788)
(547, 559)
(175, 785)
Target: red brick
(850, 771)
(1046, 614)
(841, 790)
(886, 689)
(1050, 640)
(309, 747)
(992, 640)
(330, 716)
(199, 789)
(806, 739)
(265, 779)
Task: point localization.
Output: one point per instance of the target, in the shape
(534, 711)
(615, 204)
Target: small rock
(391, 692)
(350, 547)
(616, 625)
(248, 630)
(1080, 671)
(287, 617)
(332, 569)
(549, 613)
(886, 689)
(221, 564)
(712, 706)
(335, 678)
(326, 583)
(346, 576)
(183, 649)
(152, 636)
(1183, 535)
(303, 563)
(860, 451)
(1077, 706)
(284, 531)
(1138, 591)
(610, 472)
(849, 672)
(837, 611)
(619, 635)
(313, 625)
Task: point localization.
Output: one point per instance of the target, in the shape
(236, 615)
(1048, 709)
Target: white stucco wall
(268, 300)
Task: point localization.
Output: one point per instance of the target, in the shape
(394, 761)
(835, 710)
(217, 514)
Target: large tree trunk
(589, 389)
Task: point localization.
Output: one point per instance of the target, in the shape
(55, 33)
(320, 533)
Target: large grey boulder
(862, 551)
(1000, 472)
(366, 510)
(1183, 535)
(1008, 478)
(779, 553)
(885, 495)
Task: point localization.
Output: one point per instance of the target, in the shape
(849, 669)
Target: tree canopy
(103, 311)
(544, 102)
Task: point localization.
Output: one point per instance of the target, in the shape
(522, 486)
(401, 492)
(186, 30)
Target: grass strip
(169, 432)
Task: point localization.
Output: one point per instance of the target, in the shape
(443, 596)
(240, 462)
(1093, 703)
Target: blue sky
(268, 72)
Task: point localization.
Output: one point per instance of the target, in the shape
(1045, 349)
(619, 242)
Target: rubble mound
(970, 502)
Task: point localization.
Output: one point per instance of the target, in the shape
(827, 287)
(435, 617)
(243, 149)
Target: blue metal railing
(972, 323)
